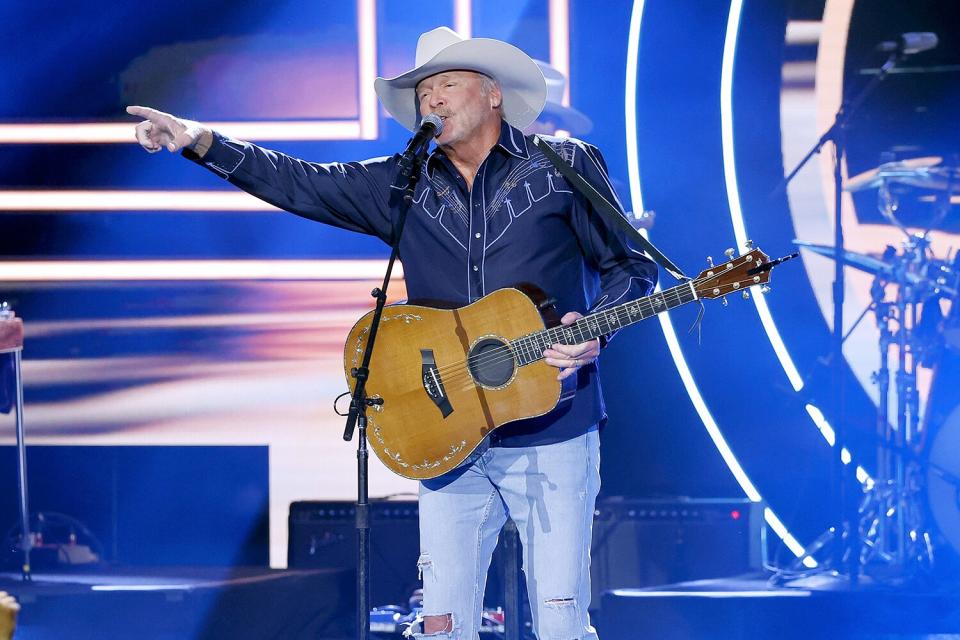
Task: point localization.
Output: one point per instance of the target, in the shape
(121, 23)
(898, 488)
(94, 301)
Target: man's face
(459, 99)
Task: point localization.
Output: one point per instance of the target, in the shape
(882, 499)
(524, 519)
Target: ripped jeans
(549, 491)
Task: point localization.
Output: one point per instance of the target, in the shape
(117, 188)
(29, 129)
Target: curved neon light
(636, 198)
(740, 227)
(733, 192)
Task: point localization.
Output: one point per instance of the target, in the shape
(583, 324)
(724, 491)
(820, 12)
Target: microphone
(910, 43)
(430, 127)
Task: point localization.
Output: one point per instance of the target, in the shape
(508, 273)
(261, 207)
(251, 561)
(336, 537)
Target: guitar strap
(602, 204)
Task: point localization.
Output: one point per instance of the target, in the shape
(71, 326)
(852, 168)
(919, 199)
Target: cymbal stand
(894, 543)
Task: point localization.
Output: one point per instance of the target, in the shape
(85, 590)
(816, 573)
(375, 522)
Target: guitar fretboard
(530, 348)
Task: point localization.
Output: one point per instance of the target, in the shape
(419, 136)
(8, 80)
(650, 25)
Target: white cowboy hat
(521, 81)
(568, 118)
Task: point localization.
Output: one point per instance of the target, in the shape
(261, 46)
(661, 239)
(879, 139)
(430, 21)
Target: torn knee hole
(438, 624)
(560, 602)
(424, 563)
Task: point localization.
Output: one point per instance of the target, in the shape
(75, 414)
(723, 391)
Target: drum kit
(910, 509)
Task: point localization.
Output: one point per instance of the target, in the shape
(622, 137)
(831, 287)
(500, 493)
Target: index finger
(145, 112)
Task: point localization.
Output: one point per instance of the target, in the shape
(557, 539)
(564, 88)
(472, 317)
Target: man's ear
(496, 98)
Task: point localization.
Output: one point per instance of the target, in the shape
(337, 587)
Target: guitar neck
(530, 348)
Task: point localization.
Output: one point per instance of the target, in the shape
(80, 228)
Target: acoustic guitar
(443, 379)
(9, 608)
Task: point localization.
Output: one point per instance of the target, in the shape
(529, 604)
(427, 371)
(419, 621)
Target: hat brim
(567, 118)
(521, 81)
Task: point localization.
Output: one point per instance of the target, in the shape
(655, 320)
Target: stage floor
(179, 603)
(751, 608)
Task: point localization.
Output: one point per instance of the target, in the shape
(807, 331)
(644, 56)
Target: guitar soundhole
(491, 362)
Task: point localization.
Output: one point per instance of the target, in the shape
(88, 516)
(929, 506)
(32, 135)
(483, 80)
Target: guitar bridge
(433, 383)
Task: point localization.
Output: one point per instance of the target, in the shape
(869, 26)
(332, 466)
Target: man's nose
(435, 100)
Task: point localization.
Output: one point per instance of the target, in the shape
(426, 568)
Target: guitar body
(447, 379)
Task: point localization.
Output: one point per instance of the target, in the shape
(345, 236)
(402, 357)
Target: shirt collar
(511, 140)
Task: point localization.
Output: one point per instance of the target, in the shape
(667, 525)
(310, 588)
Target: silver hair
(488, 84)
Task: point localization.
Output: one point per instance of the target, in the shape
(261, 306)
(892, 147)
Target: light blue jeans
(549, 491)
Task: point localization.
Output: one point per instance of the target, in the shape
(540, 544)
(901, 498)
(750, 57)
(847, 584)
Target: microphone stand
(16, 352)
(357, 416)
(846, 551)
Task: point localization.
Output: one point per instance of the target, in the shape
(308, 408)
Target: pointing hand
(159, 130)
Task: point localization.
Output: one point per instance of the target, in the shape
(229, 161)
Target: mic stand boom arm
(357, 417)
(847, 109)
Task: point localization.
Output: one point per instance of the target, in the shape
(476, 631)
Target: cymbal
(927, 173)
(928, 280)
(860, 261)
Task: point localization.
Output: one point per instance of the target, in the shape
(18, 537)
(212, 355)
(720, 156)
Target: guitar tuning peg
(709, 261)
(724, 302)
(765, 288)
(749, 245)
(746, 294)
(728, 253)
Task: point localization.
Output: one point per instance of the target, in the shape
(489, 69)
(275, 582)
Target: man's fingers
(568, 361)
(142, 132)
(567, 350)
(159, 130)
(570, 357)
(570, 317)
(584, 349)
(146, 112)
(179, 142)
(566, 365)
(566, 373)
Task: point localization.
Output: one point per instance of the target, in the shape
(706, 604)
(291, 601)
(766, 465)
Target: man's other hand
(161, 130)
(570, 357)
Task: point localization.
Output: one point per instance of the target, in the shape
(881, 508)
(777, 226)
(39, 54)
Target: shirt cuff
(223, 157)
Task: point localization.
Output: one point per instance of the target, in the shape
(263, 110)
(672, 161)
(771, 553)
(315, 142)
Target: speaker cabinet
(645, 542)
(636, 543)
(324, 535)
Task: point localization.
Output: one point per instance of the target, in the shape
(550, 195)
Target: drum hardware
(943, 484)
(925, 277)
(895, 542)
(927, 172)
(912, 192)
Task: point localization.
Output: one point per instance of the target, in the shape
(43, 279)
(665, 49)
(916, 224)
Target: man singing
(490, 211)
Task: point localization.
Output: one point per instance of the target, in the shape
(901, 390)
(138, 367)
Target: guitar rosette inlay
(491, 362)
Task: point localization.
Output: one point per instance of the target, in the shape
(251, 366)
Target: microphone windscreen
(436, 121)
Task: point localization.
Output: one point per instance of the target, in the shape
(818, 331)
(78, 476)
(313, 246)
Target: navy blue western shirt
(520, 223)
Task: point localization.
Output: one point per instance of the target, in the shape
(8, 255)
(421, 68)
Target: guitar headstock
(736, 274)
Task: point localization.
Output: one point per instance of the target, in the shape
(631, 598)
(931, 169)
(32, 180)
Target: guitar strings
(455, 371)
(461, 374)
